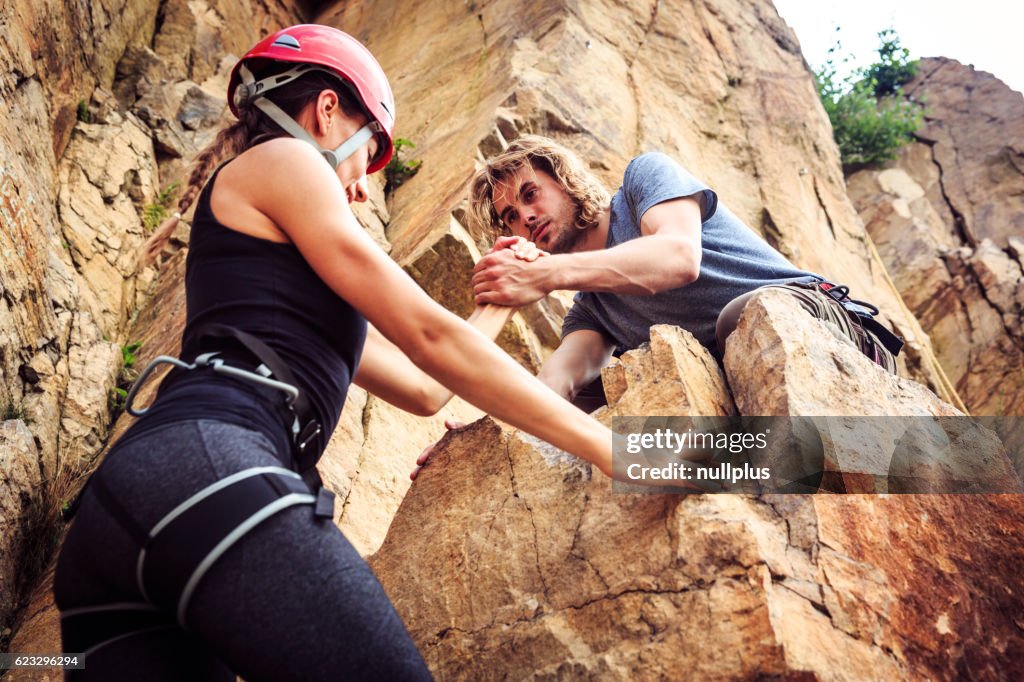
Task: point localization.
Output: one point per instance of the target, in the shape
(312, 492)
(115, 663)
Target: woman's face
(352, 171)
(335, 127)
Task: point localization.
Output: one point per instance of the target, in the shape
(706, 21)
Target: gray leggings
(291, 600)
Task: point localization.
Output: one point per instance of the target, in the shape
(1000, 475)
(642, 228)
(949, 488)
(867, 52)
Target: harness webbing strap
(306, 427)
(87, 629)
(185, 544)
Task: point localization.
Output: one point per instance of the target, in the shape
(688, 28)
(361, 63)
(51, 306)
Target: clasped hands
(505, 276)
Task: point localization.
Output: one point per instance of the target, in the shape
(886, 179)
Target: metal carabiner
(217, 364)
(160, 359)
(291, 392)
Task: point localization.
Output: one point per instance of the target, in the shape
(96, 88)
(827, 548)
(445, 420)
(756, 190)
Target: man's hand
(424, 457)
(523, 248)
(504, 277)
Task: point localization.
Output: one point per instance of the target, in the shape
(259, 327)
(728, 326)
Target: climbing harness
(856, 319)
(181, 548)
(271, 371)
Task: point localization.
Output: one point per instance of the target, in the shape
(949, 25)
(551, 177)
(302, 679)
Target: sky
(985, 33)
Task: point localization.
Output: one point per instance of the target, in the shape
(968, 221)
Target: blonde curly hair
(542, 154)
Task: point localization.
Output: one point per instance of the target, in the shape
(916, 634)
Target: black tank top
(267, 289)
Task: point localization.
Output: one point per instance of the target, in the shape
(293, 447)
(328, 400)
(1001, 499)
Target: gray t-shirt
(734, 260)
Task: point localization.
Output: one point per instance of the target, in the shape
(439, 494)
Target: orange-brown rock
(673, 375)
(19, 482)
(974, 125)
(605, 79)
(947, 217)
(507, 561)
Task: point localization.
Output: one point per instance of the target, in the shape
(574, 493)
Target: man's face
(532, 205)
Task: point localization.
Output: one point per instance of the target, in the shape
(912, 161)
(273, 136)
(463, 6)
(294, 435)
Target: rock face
(947, 218)
(689, 381)
(604, 79)
(531, 550)
(63, 239)
(548, 572)
(19, 480)
(86, 136)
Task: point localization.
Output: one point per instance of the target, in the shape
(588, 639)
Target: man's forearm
(576, 362)
(639, 267)
(559, 382)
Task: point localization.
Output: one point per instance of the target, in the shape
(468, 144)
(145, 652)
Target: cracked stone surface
(603, 78)
(72, 195)
(946, 216)
(367, 465)
(546, 572)
(975, 128)
(739, 116)
(689, 379)
(56, 365)
(107, 173)
(19, 480)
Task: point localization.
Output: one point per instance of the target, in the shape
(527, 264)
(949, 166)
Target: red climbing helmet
(341, 54)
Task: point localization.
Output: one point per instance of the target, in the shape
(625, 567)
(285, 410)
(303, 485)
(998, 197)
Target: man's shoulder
(657, 168)
(649, 161)
(653, 177)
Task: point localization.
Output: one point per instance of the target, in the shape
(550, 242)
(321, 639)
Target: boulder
(847, 422)
(671, 375)
(530, 564)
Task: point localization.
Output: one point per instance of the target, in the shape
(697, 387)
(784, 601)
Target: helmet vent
(287, 41)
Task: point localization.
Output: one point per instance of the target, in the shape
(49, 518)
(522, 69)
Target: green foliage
(12, 411)
(157, 212)
(117, 400)
(871, 118)
(128, 356)
(119, 394)
(893, 70)
(84, 115)
(398, 170)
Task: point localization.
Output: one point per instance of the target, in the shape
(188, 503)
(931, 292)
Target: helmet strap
(253, 93)
(351, 145)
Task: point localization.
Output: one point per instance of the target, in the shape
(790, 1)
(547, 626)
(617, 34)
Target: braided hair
(252, 127)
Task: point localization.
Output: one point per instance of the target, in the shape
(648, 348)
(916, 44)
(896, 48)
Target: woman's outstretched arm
(296, 190)
(388, 373)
